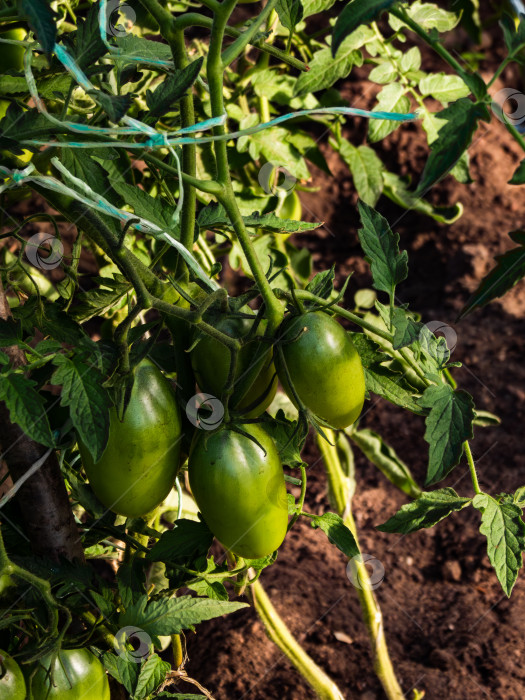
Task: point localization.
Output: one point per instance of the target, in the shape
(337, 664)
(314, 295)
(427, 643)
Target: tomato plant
(155, 264)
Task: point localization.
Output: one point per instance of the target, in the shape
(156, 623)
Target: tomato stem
(472, 467)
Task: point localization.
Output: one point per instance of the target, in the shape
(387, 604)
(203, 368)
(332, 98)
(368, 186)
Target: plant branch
(238, 46)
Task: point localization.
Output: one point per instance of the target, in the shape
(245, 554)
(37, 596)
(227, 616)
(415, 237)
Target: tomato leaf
(26, 407)
(504, 529)
(88, 401)
(325, 70)
(128, 672)
(288, 436)
(453, 139)
(509, 270)
(171, 615)
(386, 460)
(397, 189)
(356, 13)
(9, 333)
(131, 581)
(391, 98)
(152, 672)
(172, 88)
(426, 511)
(393, 387)
(448, 425)
(322, 285)
(366, 168)
(337, 532)
(290, 13)
(380, 244)
(88, 46)
(41, 18)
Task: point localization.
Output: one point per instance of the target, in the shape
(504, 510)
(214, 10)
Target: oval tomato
(76, 674)
(211, 362)
(12, 683)
(240, 490)
(141, 460)
(324, 367)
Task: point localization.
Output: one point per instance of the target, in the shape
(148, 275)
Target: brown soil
(451, 630)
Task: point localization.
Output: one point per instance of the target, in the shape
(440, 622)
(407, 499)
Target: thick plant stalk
(341, 491)
(43, 498)
(278, 632)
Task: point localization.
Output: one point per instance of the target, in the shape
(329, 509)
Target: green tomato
(76, 674)
(324, 367)
(240, 489)
(12, 683)
(141, 460)
(211, 362)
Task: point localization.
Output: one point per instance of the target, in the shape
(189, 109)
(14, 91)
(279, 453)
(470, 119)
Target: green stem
(189, 151)
(238, 46)
(281, 636)
(227, 198)
(106, 635)
(371, 611)
(300, 503)
(472, 467)
(209, 186)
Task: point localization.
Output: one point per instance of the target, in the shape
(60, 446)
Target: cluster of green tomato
(238, 482)
(70, 675)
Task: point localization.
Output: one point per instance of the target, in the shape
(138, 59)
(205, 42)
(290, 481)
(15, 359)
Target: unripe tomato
(139, 465)
(12, 683)
(76, 675)
(210, 360)
(240, 490)
(324, 367)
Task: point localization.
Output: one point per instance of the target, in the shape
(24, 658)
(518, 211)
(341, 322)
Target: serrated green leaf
(172, 88)
(171, 615)
(369, 351)
(88, 401)
(41, 18)
(9, 333)
(406, 329)
(393, 387)
(115, 106)
(366, 169)
(128, 672)
(448, 425)
(381, 247)
(312, 7)
(519, 497)
(391, 98)
(290, 13)
(325, 70)
(152, 672)
(132, 45)
(428, 16)
(386, 460)
(509, 270)
(337, 532)
(288, 439)
(397, 189)
(442, 87)
(271, 222)
(88, 45)
(354, 14)
(26, 407)
(462, 118)
(504, 529)
(514, 36)
(426, 511)
(154, 209)
(322, 285)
